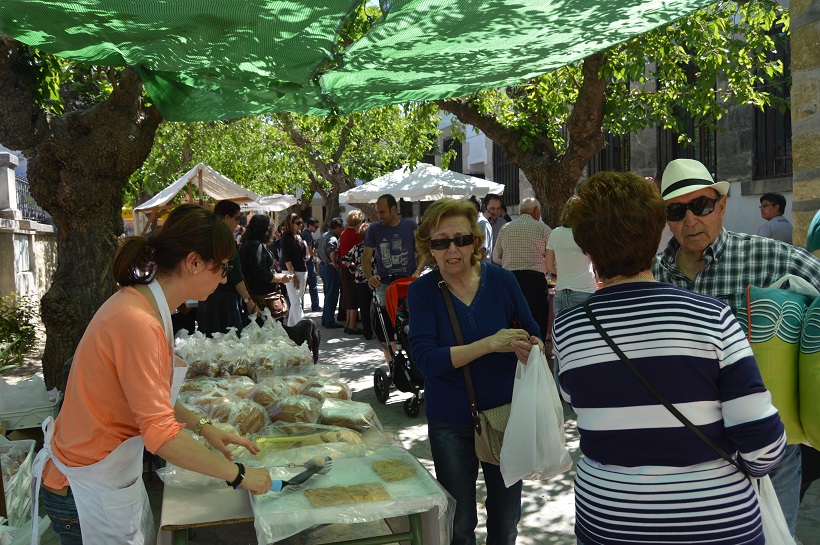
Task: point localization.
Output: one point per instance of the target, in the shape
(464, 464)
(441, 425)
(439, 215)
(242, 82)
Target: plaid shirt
(736, 260)
(522, 244)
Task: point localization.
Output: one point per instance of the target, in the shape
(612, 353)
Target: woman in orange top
(121, 393)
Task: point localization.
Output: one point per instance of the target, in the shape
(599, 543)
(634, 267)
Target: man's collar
(709, 254)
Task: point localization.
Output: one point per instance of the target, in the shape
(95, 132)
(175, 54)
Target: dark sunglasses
(702, 206)
(298, 222)
(444, 243)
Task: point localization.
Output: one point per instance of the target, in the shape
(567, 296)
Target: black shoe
(316, 309)
(353, 331)
(333, 326)
(368, 336)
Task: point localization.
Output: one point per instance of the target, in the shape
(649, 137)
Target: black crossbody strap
(654, 391)
(468, 378)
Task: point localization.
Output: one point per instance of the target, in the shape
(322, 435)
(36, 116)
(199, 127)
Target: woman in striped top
(644, 477)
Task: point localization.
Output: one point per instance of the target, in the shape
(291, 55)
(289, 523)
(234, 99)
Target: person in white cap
(706, 258)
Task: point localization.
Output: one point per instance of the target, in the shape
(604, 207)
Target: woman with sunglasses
(644, 477)
(121, 393)
(257, 260)
(487, 301)
(294, 252)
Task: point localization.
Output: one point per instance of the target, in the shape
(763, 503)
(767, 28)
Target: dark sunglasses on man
(444, 243)
(702, 206)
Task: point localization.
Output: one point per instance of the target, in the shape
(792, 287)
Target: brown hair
(290, 222)
(354, 218)
(448, 208)
(187, 229)
(617, 219)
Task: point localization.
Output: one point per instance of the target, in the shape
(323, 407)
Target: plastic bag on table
(534, 446)
(247, 416)
(297, 456)
(323, 388)
(349, 414)
(298, 408)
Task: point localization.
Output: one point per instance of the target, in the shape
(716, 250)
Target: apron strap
(164, 311)
(37, 473)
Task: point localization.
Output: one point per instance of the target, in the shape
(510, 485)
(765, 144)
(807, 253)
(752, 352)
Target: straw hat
(684, 176)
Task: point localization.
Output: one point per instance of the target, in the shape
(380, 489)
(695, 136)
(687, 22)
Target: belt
(387, 279)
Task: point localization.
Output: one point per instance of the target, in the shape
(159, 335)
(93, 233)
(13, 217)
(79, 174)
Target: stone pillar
(805, 97)
(8, 187)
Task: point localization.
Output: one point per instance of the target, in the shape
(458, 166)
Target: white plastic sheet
(534, 446)
(282, 514)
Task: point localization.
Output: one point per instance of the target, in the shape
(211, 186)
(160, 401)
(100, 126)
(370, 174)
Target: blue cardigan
(497, 302)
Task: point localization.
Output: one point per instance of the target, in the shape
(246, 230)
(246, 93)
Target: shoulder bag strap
(654, 391)
(448, 302)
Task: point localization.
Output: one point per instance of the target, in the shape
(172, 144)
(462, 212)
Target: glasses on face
(298, 222)
(444, 243)
(762, 206)
(226, 268)
(702, 206)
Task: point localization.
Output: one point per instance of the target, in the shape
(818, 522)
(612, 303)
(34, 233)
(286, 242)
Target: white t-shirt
(574, 268)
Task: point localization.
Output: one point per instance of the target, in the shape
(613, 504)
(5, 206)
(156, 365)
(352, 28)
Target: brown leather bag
(275, 302)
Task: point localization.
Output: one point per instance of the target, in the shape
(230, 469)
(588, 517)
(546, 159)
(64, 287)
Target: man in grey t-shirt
(772, 206)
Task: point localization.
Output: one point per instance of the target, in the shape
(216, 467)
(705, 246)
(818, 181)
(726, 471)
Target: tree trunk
(78, 164)
(553, 176)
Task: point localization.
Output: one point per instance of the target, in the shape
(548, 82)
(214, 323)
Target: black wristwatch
(239, 477)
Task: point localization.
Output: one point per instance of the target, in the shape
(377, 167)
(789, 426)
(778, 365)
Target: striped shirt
(522, 244)
(736, 260)
(645, 478)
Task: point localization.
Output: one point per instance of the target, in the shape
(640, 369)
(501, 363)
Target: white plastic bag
(775, 529)
(534, 447)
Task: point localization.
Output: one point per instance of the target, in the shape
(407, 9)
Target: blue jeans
(568, 298)
(63, 514)
(330, 281)
(786, 477)
(313, 285)
(456, 465)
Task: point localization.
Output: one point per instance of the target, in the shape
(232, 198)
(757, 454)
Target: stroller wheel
(381, 385)
(412, 407)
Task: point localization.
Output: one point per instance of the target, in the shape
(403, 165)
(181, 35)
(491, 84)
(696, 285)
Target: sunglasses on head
(444, 243)
(702, 206)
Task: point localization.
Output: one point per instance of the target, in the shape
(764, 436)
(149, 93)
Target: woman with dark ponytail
(121, 393)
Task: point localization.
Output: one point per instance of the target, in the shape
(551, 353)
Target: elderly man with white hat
(706, 258)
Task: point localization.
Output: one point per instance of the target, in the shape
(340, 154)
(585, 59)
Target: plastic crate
(18, 489)
(30, 417)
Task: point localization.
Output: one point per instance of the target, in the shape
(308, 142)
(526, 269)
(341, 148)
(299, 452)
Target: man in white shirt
(772, 206)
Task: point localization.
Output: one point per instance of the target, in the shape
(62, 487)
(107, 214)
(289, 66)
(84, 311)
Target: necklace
(621, 279)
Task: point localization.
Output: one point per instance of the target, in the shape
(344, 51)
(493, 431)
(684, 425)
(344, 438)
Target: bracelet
(239, 477)
(200, 424)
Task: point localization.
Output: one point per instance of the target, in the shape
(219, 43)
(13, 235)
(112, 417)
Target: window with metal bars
(405, 208)
(456, 164)
(505, 172)
(614, 156)
(773, 128)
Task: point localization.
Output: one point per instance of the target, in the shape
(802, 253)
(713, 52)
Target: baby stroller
(392, 326)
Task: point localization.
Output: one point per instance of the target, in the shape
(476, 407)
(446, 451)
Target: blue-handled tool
(314, 465)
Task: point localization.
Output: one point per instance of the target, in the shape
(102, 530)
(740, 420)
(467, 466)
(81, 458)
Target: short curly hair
(448, 208)
(355, 218)
(617, 219)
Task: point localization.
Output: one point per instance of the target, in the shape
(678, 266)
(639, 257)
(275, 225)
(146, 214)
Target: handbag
(275, 302)
(489, 424)
(775, 529)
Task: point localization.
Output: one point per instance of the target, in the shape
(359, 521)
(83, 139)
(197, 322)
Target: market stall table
(280, 515)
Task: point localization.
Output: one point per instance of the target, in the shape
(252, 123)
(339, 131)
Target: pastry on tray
(393, 469)
(347, 495)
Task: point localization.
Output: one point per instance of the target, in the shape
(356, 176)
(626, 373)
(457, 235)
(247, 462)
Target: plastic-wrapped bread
(294, 409)
(327, 387)
(248, 417)
(267, 394)
(239, 385)
(349, 414)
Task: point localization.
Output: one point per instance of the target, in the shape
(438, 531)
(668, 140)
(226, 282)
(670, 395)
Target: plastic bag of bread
(201, 368)
(248, 417)
(268, 393)
(322, 388)
(299, 455)
(236, 385)
(206, 399)
(237, 451)
(281, 436)
(349, 414)
(298, 408)
(198, 384)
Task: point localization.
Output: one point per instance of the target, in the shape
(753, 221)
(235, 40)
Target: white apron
(111, 500)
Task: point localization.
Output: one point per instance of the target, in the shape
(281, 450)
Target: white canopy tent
(205, 179)
(425, 183)
(270, 203)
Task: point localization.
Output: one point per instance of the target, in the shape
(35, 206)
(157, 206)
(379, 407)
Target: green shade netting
(218, 59)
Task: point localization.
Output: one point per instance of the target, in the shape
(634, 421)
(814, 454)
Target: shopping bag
(775, 529)
(534, 447)
(809, 374)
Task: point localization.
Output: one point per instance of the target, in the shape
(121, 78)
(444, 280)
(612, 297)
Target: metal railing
(27, 205)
